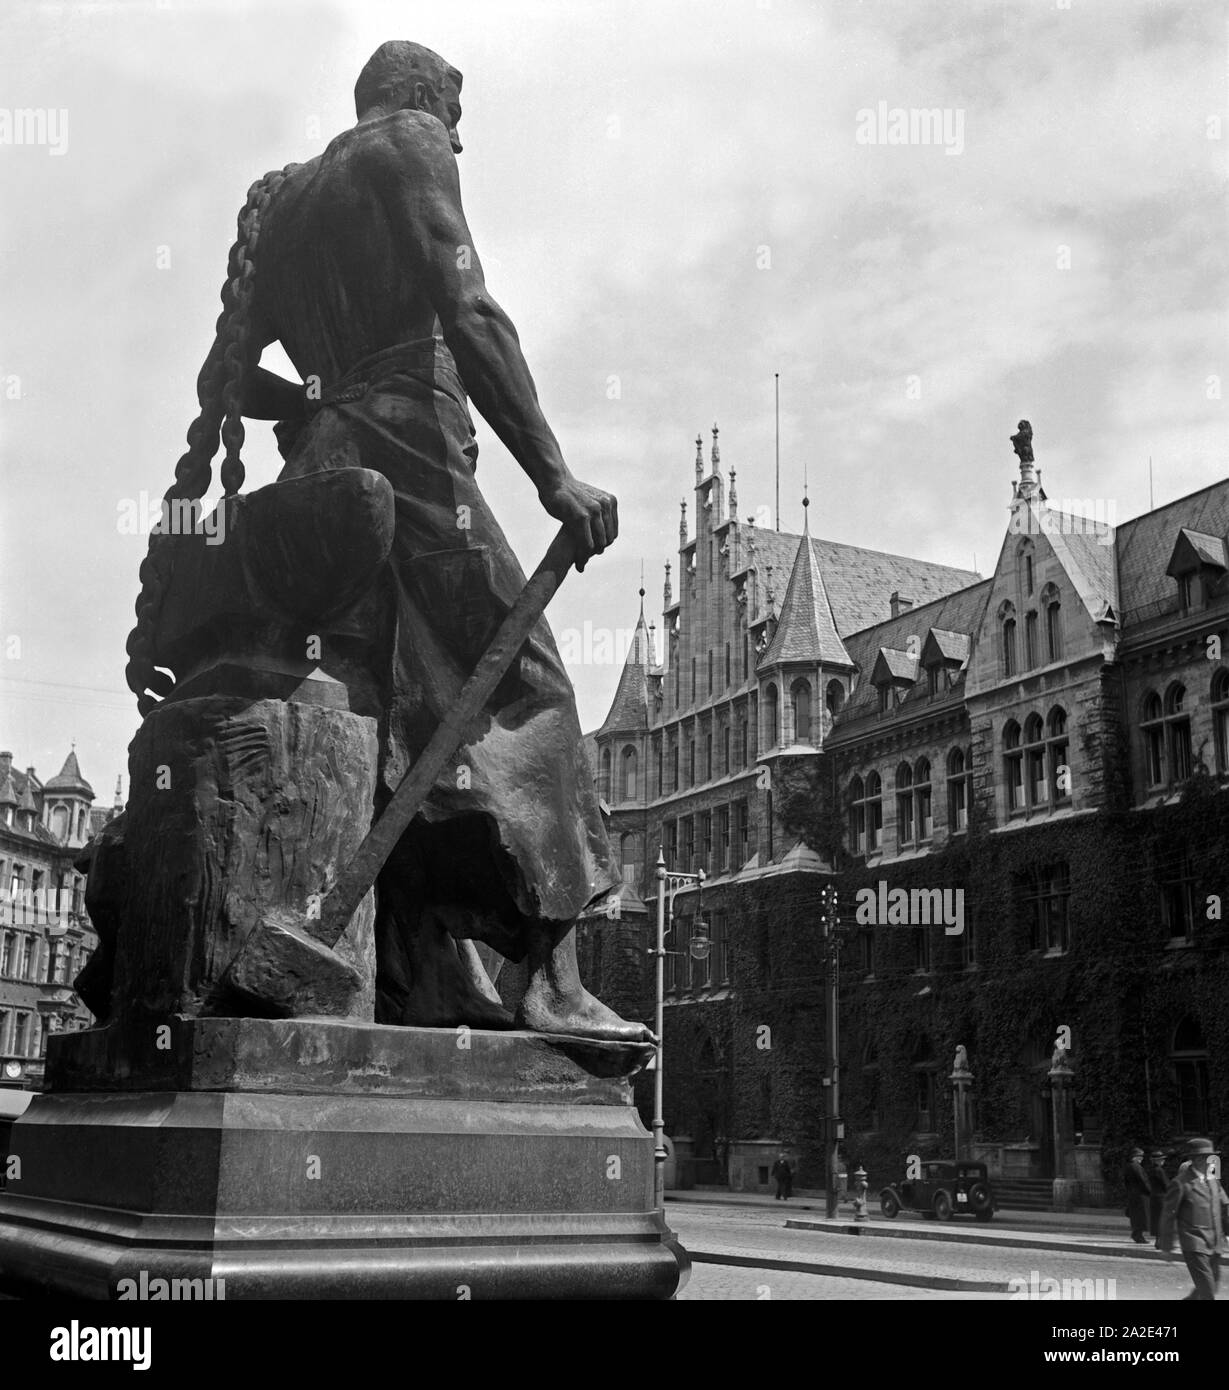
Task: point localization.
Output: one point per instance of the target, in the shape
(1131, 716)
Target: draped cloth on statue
(511, 831)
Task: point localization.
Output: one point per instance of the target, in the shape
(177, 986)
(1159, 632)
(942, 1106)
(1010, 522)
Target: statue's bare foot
(547, 1010)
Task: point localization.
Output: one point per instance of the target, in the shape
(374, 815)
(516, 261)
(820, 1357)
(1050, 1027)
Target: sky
(674, 201)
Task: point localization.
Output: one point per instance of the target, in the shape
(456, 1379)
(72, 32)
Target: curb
(872, 1276)
(959, 1237)
(1082, 1227)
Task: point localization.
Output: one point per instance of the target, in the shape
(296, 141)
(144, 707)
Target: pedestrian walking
(784, 1176)
(1196, 1210)
(1139, 1190)
(1158, 1180)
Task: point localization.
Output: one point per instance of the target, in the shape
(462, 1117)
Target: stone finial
(683, 525)
(716, 449)
(666, 590)
(734, 496)
(699, 458)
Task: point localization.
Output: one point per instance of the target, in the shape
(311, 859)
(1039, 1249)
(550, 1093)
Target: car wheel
(942, 1206)
(981, 1204)
(889, 1203)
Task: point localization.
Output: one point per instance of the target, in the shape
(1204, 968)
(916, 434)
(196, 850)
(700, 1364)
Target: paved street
(755, 1235)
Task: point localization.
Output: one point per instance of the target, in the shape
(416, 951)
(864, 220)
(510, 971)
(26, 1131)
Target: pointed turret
(69, 779)
(630, 707)
(806, 630)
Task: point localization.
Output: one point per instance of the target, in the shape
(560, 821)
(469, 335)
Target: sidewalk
(1081, 1231)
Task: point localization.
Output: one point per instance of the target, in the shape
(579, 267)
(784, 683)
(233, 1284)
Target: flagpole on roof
(776, 381)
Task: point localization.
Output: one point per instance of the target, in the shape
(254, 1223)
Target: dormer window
(893, 676)
(1198, 563)
(943, 655)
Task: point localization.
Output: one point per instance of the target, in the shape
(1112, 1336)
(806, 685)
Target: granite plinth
(317, 1159)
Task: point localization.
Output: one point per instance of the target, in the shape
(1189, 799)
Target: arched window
(957, 791)
(800, 698)
(874, 812)
(629, 774)
(59, 822)
(1154, 740)
(834, 697)
(1013, 766)
(904, 805)
(772, 716)
(857, 816)
(865, 814)
(1189, 1055)
(1007, 638)
(1057, 747)
(1053, 608)
(1220, 718)
(604, 781)
(923, 803)
(630, 858)
(1024, 560)
(925, 1070)
(1035, 761)
(1030, 640)
(1178, 728)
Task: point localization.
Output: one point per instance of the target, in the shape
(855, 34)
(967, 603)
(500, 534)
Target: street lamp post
(832, 1082)
(668, 884)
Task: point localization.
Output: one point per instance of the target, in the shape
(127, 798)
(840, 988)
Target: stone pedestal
(320, 1159)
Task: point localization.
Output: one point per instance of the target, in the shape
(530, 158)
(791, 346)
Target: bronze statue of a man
(360, 263)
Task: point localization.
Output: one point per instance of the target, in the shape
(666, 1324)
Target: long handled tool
(287, 960)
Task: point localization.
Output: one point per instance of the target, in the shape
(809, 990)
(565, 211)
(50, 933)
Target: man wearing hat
(1135, 1180)
(1196, 1205)
(1158, 1180)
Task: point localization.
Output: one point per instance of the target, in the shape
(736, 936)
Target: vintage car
(945, 1187)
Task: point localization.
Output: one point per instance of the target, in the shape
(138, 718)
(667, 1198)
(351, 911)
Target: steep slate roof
(859, 582)
(8, 792)
(630, 707)
(1145, 545)
(69, 778)
(1085, 549)
(960, 612)
(806, 629)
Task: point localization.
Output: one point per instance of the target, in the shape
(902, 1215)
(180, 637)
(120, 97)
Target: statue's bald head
(395, 69)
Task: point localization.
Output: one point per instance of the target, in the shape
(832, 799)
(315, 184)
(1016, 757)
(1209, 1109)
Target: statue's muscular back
(340, 270)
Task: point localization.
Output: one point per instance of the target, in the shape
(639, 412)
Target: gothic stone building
(45, 932)
(1049, 745)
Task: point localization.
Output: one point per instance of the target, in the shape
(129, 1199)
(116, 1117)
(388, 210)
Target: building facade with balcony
(45, 932)
(1019, 787)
